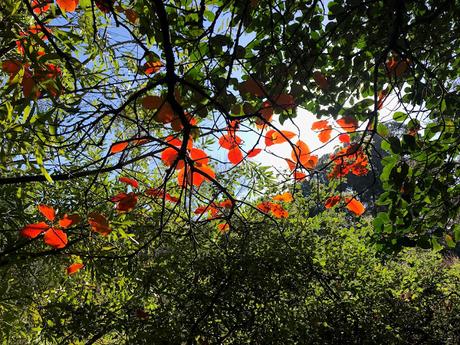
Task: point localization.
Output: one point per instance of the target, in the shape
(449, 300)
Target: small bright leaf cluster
(232, 142)
(54, 234)
(352, 204)
(192, 174)
(216, 211)
(351, 159)
(275, 209)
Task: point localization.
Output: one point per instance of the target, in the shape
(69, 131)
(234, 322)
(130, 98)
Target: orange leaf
(292, 165)
(151, 67)
(301, 153)
(285, 197)
(223, 227)
(228, 141)
(332, 201)
(355, 206)
(74, 268)
(118, 147)
(348, 123)
(199, 157)
(311, 162)
(278, 211)
(132, 182)
(325, 134)
(344, 138)
(173, 141)
(321, 124)
(69, 220)
(265, 206)
(99, 223)
(299, 176)
(254, 152)
(47, 211)
(206, 169)
(169, 156)
(67, 5)
(55, 238)
(165, 114)
(34, 230)
(273, 137)
(235, 155)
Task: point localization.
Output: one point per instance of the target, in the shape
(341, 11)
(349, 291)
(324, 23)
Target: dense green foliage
(309, 280)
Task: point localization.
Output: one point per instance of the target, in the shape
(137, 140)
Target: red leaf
(235, 155)
(74, 268)
(55, 238)
(11, 66)
(118, 147)
(332, 201)
(132, 182)
(185, 176)
(355, 206)
(152, 102)
(201, 209)
(67, 5)
(254, 152)
(104, 5)
(344, 138)
(266, 112)
(34, 230)
(69, 220)
(99, 223)
(171, 198)
(127, 202)
(348, 123)
(320, 80)
(285, 101)
(40, 6)
(273, 137)
(47, 211)
(252, 87)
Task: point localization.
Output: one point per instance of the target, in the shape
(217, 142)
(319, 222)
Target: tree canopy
(136, 205)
